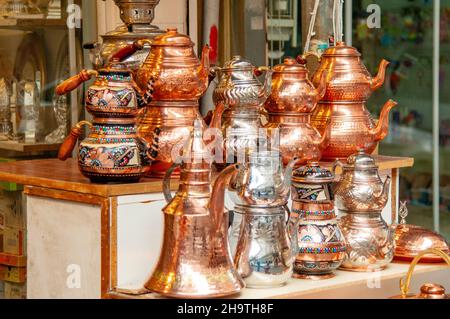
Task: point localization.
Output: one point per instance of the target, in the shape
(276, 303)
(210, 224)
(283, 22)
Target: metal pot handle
(335, 166)
(166, 182)
(405, 282)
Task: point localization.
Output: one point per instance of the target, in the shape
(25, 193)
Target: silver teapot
(360, 188)
(261, 181)
(360, 197)
(243, 95)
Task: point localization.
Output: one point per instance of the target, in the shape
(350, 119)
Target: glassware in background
(60, 108)
(28, 110)
(5, 111)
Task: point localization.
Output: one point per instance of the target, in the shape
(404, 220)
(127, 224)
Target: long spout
(214, 136)
(204, 70)
(378, 81)
(382, 128)
(265, 91)
(323, 142)
(321, 89)
(217, 201)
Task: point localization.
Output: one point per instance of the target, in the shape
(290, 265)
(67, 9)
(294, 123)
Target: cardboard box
(1, 240)
(15, 291)
(11, 207)
(13, 274)
(14, 241)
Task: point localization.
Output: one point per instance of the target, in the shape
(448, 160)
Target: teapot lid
(172, 38)
(361, 161)
(313, 173)
(290, 65)
(238, 63)
(341, 49)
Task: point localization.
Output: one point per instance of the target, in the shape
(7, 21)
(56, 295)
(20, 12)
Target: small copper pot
(312, 183)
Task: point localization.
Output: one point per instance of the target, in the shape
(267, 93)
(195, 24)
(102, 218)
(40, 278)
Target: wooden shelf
(383, 162)
(28, 148)
(299, 288)
(32, 23)
(65, 176)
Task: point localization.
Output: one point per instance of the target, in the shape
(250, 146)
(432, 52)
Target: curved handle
(90, 45)
(166, 182)
(405, 283)
(127, 51)
(335, 165)
(75, 81)
(66, 149)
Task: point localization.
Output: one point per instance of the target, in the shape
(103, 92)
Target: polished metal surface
(370, 241)
(261, 181)
(263, 254)
(360, 188)
(195, 260)
(292, 99)
(349, 86)
(172, 70)
(410, 240)
(320, 246)
(137, 16)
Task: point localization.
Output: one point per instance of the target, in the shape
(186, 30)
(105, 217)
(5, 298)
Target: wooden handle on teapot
(129, 50)
(66, 149)
(75, 81)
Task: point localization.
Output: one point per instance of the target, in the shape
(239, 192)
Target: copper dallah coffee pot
(349, 86)
(241, 92)
(289, 107)
(195, 260)
(137, 16)
(176, 79)
(427, 291)
(360, 197)
(113, 151)
(410, 240)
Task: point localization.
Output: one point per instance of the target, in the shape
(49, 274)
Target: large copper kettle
(349, 86)
(172, 69)
(195, 260)
(289, 107)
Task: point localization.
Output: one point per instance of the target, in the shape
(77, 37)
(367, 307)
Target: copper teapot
(195, 260)
(172, 70)
(289, 107)
(113, 151)
(346, 76)
(349, 86)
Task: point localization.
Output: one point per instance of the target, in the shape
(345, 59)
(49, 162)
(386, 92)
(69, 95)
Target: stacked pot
(348, 87)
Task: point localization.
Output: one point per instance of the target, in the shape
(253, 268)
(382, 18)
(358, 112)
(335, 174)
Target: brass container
(320, 247)
(172, 70)
(427, 291)
(410, 240)
(113, 151)
(312, 183)
(137, 16)
(195, 260)
(360, 196)
(289, 106)
(175, 121)
(349, 86)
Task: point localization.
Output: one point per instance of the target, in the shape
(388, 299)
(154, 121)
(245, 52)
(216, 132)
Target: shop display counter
(89, 240)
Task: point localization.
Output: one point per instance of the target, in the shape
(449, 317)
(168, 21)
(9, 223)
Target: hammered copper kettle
(289, 108)
(349, 86)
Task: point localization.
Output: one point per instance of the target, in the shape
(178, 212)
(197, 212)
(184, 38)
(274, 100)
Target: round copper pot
(175, 120)
(297, 137)
(352, 127)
